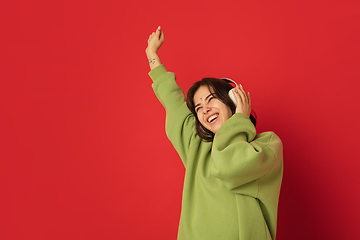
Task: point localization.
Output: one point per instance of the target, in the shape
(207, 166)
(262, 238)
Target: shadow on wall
(305, 210)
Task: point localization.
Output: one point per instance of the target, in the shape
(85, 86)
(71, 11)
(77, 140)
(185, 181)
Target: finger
(162, 37)
(150, 36)
(157, 33)
(246, 96)
(237, 96)
(241, 93)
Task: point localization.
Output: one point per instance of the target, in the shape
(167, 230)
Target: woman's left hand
(243, 101)
(156, 39)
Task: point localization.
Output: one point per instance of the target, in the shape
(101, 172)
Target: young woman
(233, 175)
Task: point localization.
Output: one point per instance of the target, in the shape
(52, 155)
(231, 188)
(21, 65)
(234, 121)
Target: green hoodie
(231, 187)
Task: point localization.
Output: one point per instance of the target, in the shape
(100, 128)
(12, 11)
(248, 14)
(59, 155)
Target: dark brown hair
(220, 88)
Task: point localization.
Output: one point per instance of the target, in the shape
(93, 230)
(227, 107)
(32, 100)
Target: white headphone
(231, 94)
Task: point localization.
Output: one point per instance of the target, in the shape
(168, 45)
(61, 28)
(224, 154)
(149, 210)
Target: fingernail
(159, 27)
(240, 85)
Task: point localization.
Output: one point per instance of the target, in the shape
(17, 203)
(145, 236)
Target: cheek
(199, 118)
(230, 113)
(227, 113)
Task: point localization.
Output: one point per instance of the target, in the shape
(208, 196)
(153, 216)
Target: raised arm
(156, 39)
(179, 120)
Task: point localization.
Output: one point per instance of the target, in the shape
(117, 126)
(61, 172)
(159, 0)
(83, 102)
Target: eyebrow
(205, 100)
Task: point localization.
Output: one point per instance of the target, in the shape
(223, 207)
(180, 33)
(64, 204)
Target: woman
(233, 175)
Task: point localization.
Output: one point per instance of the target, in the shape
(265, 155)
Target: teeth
(212, 118)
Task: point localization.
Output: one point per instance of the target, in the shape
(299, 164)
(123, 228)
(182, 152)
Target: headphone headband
(229, 80)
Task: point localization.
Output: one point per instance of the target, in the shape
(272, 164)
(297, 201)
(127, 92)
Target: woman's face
(211, 112)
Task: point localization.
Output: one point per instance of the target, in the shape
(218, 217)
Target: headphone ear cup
(232, 96)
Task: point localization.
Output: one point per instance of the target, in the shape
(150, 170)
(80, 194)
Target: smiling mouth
(212, 118)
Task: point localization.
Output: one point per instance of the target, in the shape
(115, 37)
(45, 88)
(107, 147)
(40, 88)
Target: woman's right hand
(243, 101)
(156, 39)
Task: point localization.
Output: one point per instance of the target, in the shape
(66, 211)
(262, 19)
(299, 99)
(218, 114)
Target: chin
(214, 130)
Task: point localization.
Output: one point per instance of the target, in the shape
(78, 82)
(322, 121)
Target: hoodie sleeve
(240, 156)
(179, 125)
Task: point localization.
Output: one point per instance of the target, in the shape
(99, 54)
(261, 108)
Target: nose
(206, 109)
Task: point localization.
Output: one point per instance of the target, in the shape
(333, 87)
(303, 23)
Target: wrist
(151, 53)
(153, 59)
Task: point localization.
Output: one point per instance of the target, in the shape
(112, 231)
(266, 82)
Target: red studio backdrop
(83, 151)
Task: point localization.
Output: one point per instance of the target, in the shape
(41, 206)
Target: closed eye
(208, 99)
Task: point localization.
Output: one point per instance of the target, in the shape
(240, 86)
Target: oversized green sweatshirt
(231, 186)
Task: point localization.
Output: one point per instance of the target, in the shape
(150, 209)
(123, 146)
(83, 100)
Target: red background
(82, 145)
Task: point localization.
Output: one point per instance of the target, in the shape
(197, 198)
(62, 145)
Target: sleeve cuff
(157, 72)
(240, 115)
